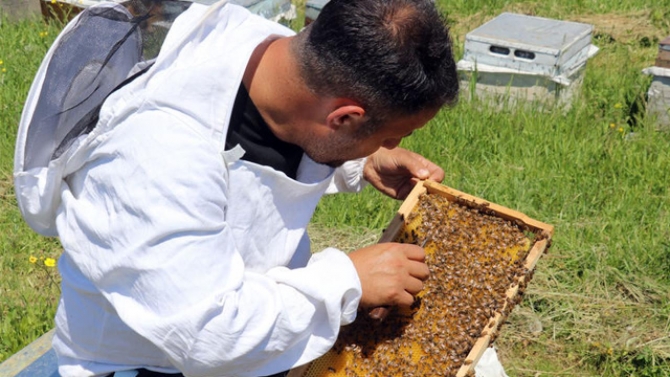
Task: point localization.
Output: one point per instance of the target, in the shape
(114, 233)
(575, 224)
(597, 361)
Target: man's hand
(390, 273)
(395, 171)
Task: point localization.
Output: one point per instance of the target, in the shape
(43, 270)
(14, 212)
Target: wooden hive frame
(543, 233)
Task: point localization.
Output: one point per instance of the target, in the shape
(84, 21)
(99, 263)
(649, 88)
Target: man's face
(341, 146)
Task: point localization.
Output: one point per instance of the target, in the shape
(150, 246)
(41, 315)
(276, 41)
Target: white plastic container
(658, 95)
(516, 57)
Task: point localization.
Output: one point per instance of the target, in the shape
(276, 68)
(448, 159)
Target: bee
(472, 257)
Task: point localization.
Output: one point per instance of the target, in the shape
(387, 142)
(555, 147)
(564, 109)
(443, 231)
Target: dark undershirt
(248, 129)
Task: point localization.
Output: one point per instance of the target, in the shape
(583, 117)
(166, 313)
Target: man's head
(393, 58)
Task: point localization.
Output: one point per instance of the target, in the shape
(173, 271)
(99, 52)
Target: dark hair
(393, 56)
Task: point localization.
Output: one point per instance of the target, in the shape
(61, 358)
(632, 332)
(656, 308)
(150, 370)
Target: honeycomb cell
(476, 259)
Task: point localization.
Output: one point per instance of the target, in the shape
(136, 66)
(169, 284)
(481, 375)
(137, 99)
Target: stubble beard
(332, 152)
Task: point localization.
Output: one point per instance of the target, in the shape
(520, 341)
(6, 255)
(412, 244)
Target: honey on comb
(474, 258)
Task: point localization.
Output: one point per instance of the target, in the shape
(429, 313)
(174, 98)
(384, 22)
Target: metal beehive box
(312, 10)
(516, 57)
(658, 95)
(410, 357)
(530, 44)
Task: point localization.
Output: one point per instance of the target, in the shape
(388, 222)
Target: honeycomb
(476, 259)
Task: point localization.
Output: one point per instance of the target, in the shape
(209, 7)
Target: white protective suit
(177, 256)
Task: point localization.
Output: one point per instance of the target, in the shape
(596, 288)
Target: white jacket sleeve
(145, 221)
(348, 177)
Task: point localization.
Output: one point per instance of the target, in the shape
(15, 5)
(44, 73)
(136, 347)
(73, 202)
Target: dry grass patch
(344, 238)
(625, 28)
(632, 27)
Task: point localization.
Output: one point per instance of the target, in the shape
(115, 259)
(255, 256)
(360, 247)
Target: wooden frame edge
(509, 214)
(539, 247)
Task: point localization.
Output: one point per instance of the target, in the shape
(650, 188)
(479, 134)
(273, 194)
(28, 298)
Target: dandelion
(612, 125)
(618, 106)
(620, 130)
(32, 259)
(1, 62)
(53, 1)
(4, 70)
(50, 262)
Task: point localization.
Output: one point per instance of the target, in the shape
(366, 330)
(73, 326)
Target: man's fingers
(413, 286)
(390, 273)
(417, 166)
(418, 270)
(415, 253)
(406, 298)
(436, 173)
(379, 313)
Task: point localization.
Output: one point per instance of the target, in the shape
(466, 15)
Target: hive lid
(528, 44)
(657, 71)
(533, 33)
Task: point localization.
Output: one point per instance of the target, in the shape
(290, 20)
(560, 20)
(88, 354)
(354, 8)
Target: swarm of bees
(474, 259)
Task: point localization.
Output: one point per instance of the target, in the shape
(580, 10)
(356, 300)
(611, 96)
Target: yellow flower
(618, 106)
(4, 70)
(32, 259)
(612, 125)
(1, 62)
(620, 129)
(50, 262)
(53, 1)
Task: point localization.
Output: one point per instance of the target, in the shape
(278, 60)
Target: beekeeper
(182, 212)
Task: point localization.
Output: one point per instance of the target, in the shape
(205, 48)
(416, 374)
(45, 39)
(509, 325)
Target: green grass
(599, 302)
(28, 291)
(598, 172)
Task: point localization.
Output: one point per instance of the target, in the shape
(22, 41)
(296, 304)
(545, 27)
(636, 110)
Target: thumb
(416, 166)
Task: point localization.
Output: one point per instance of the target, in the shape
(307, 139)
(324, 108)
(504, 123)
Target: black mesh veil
(90, 59)
(104, 47)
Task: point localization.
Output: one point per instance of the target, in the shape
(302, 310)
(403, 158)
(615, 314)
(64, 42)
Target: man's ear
(346, 115)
